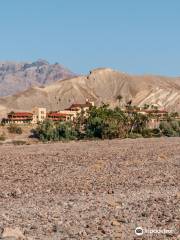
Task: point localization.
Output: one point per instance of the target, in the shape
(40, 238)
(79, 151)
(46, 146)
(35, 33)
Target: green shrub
(50, 131)
(65, 131)
(156, 132)
(178, 123)
(134, 135)
(45, 131)
(170, 129)
(13, 128)
(147, 133)
(164, 125)
(175, 126)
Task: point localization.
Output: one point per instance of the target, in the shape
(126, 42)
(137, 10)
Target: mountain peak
(19, 76)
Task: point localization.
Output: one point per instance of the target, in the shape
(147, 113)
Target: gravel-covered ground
(91, 190)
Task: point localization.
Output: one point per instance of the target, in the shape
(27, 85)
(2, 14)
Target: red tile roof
(55, 116)
(20, 114)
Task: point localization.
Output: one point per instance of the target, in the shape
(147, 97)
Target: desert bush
(175, 125)
(3, 121)
(65, 131)
(147, 133)
(13, 128)
(178, 123)
(2, 137)
(134, 135)
(50, 131)
(156, 132)
(45, 131)
(170, 128)
(164, 125)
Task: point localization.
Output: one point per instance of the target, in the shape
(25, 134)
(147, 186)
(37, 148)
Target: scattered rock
(13, 234)
(52, 192)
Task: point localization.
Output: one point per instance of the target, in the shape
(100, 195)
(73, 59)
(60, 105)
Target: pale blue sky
(135, 36)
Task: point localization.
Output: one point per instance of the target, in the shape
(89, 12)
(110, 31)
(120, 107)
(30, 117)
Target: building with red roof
(56, 116)
(19, 117)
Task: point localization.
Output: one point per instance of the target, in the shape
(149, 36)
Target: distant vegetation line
(106, 123)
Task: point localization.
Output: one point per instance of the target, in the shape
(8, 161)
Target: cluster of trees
(50, 131)
(104, 123)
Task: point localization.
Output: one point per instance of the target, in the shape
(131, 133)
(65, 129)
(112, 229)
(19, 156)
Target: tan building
(71, 114)
(39, 114)
(78, 107)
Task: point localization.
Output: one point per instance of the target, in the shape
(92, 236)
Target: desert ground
(90, 189)
(12, 137)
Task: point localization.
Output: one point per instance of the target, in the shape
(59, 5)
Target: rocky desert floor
(90, 190)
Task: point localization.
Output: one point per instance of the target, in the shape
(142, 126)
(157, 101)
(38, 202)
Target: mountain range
(16, 77)
(100, 85)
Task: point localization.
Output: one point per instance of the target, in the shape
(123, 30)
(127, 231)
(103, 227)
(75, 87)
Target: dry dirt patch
(91, 190)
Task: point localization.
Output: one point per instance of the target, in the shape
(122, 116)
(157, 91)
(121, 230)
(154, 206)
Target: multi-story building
(56, 116)
(18, 118)
(72, 112)
(39, 114)
(71, 115)
(78, 107)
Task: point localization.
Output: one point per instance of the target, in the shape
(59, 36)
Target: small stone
(54, 228)
(102, 230)
(115, 223)
(13, 234)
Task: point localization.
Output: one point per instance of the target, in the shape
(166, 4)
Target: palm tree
(129, 105)
(119, 98)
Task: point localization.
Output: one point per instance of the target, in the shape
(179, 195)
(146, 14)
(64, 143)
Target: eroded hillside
(101, 85)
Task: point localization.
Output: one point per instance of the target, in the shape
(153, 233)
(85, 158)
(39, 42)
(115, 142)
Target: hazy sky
(135, 36)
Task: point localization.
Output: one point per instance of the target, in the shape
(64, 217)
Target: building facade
(39, 114)
(56, 116)
(18, 118)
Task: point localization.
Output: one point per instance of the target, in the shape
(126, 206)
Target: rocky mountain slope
(101, 85)
(16, 77)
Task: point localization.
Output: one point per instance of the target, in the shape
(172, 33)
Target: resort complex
(39, 114)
